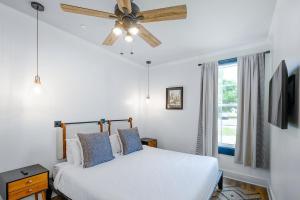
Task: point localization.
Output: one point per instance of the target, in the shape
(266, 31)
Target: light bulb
(128, 38)
(37, 85)
(37, 88)
(147, 99)
(133, 30)
(117, 31)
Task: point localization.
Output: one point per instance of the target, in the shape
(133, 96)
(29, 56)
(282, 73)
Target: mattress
(149, 174)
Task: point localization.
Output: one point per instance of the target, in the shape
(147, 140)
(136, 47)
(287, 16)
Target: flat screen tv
(278, 97)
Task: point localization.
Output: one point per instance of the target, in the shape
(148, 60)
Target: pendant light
(148, 62)
(37, 80)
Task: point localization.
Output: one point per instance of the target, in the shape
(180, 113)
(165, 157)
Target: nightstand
(23, 182)
(149, 142)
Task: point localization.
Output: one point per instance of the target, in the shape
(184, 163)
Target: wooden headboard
(101, 123)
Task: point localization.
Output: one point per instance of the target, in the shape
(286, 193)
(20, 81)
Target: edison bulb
(37, 85)
(37, 88)
(147, 99)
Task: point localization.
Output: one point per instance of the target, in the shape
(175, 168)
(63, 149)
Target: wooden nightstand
(20, 183)
(149, 142)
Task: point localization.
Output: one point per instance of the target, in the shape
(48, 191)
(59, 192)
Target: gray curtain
(207, 141)
(252, 132)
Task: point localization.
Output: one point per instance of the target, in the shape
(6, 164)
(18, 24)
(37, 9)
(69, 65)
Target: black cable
(37, 42)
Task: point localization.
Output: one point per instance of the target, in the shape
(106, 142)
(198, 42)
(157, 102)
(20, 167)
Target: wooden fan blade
(86, 11)
(163, 14)
(125, 6)
(110, 39)
(147, 36)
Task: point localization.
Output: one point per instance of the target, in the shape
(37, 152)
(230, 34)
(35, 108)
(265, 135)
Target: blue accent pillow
(96, 148)
(130, 140)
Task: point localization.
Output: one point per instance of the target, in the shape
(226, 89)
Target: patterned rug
(235, 193)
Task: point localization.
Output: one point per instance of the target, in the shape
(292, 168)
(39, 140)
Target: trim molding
(246, 178)
(237, 51)
(271, 193)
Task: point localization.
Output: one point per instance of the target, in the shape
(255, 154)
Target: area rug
(235, 193)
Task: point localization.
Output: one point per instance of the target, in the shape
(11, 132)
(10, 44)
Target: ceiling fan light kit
(133, 30)
(128, 38)
(117, 31)
(128, 19)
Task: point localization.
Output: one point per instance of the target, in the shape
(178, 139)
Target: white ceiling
(212, 25)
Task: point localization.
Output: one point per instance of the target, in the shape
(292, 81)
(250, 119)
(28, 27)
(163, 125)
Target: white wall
(105, 85)
(80, 81)
(285, 144)
(177, 129)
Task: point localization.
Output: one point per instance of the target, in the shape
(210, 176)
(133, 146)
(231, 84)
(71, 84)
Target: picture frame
(174, 98)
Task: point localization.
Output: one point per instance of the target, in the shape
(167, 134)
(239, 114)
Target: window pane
(227, 102)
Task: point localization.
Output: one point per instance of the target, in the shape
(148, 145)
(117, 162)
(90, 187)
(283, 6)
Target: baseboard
(246, 178)
(271, 193)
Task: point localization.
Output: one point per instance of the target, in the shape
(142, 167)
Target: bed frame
(101, 123)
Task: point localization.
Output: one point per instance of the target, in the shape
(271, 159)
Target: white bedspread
(150, 174)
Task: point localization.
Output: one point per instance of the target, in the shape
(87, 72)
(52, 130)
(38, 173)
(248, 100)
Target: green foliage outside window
(229, 95)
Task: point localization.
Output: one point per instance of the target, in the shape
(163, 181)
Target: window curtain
(252, 131)
(207, 141)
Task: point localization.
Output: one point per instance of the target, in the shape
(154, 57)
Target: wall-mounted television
(281, 96)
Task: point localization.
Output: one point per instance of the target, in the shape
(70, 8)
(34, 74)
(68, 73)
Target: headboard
(100, 123)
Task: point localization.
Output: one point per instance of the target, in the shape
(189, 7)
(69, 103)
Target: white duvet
(149, 174)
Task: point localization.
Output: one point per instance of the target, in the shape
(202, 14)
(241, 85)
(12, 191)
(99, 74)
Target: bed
(149, 174)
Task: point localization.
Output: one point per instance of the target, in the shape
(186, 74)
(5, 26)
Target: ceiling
(211, 25)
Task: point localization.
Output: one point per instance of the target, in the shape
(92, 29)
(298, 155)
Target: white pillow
(69, 151)
(115, 144)
(75, 153)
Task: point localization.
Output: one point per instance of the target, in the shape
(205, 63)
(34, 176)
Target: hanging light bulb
(133, 30)
(37, 80)
(37, 85)
(148, 62)
(128, 38)
(147, 100)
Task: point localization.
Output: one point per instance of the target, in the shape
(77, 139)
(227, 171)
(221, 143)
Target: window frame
(226, 149)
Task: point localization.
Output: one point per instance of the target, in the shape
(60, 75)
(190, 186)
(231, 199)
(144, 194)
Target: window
(227, 106)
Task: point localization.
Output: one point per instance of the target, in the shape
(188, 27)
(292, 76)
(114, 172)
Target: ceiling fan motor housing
(135, 10)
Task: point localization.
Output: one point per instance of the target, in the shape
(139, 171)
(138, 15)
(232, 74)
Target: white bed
(149, 174)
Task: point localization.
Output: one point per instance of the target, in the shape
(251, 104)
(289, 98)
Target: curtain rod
(230, 59)
(103, 121)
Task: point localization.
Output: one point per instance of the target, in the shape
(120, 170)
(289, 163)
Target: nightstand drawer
(17, 185)
(26, 191)
(152, 143)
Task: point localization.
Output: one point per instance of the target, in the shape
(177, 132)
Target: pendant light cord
(37, 42)
(148, 82)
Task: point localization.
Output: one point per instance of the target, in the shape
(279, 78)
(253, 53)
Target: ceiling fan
(128, 19)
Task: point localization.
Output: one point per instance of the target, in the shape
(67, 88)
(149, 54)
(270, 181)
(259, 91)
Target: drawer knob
(29, 181)
(30, 190)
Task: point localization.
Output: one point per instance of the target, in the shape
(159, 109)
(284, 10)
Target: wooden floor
(253, 191)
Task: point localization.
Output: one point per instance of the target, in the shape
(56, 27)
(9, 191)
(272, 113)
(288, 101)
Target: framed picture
(174, 98)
